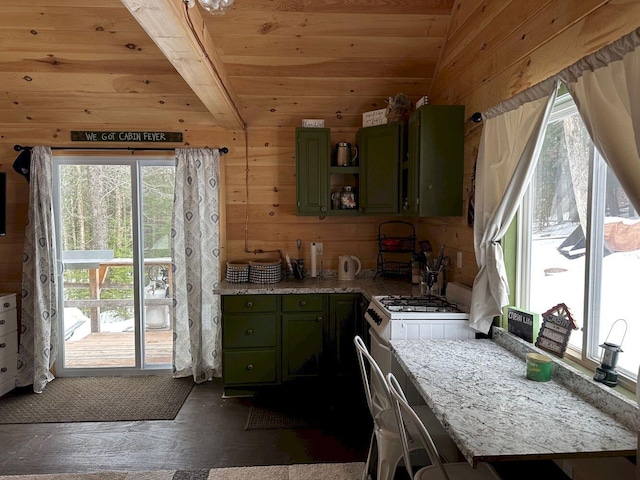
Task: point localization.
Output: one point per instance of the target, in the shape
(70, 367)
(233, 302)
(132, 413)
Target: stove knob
(375, 316)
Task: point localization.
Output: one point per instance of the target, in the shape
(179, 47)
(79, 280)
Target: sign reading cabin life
(557, 325)
(523, 324)
(146, 137)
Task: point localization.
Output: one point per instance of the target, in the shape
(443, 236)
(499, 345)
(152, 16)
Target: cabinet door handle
(249, 304)
(250, 367)
(302, 303)
(2, 322)
(249, 331)
(319, 319)
(323, 209)
(3, 369)
(7, 305)
(2, 345)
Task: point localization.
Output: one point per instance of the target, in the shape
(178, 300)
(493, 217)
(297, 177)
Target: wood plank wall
(497, 49)
(272, 222)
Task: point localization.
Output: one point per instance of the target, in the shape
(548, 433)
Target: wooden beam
(182, 36)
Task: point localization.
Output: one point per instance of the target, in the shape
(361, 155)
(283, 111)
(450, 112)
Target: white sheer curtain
(606, 89)
(39, 318)
(507, 156)
(195, 245)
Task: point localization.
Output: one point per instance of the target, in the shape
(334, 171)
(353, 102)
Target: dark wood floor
(209, 433)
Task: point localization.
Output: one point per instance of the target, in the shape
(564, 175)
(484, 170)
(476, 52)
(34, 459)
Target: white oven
(395, 317)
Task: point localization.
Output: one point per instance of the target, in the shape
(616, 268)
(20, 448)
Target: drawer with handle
(7, 302)
(243, 331)
(8, 322)
(249, 303)
(8, 368)
(249, 366)
(8, 345)
(303, 303)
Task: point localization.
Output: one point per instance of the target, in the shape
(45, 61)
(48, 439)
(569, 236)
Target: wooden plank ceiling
(269, 62)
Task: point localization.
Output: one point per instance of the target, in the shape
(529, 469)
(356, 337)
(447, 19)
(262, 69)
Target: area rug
(98, 399)
(315, 471)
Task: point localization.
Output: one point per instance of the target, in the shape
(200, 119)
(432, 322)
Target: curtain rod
(19, 148)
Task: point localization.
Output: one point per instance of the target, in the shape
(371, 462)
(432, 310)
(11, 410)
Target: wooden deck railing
(97, 277)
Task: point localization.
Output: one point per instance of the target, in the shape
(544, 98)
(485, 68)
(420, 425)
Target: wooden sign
(147, 137)
(557, 325)
(523, 324)
(375, 117)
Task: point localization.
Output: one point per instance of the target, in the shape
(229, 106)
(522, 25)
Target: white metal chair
(386, 433)
(407, 417)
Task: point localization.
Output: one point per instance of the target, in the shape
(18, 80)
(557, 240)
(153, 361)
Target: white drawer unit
(8, 342)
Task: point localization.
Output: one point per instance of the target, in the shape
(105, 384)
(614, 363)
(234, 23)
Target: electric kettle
(348, 267)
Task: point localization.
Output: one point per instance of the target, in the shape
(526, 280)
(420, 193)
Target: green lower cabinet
(271, 339)
(302, 342)
(346, 321)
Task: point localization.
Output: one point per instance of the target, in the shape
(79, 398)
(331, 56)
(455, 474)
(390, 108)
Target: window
(579, 243)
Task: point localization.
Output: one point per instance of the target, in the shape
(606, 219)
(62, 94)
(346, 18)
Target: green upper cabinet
(381, 151)
(432, 174)
(313, 156)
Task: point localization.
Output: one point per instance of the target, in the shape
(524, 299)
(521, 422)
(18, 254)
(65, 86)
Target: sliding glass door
(113, 218)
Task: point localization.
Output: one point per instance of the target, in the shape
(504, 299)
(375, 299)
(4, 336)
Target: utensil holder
(298, 268)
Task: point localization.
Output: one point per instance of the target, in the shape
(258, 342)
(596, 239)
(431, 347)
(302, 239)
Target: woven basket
(237, 272)
(265, 272)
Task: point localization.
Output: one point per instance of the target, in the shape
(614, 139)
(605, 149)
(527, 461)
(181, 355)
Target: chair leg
(389, 454)
(367, 466)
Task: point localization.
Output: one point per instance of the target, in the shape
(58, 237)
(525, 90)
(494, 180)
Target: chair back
(375, 387)
(406, 416)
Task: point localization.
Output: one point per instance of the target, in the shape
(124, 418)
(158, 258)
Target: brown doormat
(98, 399)
(262, 417)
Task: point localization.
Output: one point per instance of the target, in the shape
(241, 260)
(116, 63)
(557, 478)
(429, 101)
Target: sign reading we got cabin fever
(147, 137)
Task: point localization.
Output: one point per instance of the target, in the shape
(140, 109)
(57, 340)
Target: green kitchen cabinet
(250, 340)
(346, 320)
(303, 326)
(272, 339)
(302, 342)
(381, 149)
(431, 178)
(313, 157)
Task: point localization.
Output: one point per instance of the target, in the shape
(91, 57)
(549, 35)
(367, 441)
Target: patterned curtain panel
(39, 319)
(195, 244)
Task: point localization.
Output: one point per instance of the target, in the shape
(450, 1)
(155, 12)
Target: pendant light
(214, 7)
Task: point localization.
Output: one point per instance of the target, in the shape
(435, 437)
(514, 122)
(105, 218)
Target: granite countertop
(479, 391)
(367, 286)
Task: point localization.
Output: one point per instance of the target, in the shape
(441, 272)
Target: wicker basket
(265, 272)
(237, 272)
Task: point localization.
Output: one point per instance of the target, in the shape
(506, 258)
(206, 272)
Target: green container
(538, 367)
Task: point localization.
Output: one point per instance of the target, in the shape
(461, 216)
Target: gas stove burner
(417, 304)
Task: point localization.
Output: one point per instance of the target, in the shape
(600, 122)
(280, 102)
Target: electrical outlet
(459, 259)
(319, 249)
